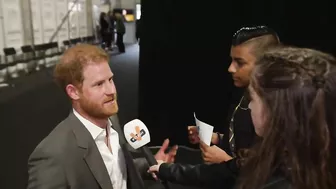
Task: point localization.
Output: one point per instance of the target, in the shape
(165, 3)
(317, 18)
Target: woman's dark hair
(298, 90)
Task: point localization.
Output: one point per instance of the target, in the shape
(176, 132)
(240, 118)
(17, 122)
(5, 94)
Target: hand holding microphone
(163, 157)
(137, 135)
(155, 168)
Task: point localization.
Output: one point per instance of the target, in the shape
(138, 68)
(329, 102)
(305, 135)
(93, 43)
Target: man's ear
(72, 92)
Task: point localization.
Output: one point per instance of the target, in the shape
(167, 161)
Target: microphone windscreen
(136, 133)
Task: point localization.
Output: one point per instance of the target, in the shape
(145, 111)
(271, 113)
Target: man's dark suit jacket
(68, 158)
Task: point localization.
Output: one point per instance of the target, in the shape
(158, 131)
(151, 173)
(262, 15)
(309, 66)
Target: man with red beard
(88, 149)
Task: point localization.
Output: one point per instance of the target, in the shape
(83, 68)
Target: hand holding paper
(213, 154)
(204, 131)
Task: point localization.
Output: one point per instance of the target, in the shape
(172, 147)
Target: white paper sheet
(204, 131)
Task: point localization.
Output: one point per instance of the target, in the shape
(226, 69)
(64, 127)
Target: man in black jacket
(247, 45)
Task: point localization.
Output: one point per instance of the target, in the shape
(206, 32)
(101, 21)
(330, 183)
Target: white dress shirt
(115, 161)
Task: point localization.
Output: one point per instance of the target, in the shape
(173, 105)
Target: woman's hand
(155, 168)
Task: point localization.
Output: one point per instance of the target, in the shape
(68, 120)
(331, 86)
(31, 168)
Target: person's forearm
(198, 175)
(179, 174)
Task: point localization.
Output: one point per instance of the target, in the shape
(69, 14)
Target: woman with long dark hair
(293, 100)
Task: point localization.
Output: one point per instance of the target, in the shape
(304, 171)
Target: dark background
(184, 56)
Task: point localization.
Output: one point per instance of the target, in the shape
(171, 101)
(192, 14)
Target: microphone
(137, 135)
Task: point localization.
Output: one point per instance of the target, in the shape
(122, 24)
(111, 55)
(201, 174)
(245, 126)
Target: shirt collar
(94, 130)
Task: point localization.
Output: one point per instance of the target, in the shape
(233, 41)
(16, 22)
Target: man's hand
(166, 157)
(213, 154)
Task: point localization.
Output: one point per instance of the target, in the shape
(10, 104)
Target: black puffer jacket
(214, 176)
(202, 175)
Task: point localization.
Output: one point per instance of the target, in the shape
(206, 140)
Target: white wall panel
(45, 17)
(48, 19)
(73, 19)
(61, 11)
(82, 18)
(13, 30)
(2, 37)
(37, 21)
(128, 4)
(89, 17)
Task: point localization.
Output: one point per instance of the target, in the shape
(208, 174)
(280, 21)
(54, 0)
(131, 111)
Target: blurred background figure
(111, 19)
(105, 31)
(120, 29)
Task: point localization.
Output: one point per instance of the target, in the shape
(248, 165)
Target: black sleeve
(224, 143)
(222, 174)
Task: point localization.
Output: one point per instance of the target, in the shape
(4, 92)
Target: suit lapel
(92, 155)
(97, 166)
(134, 180)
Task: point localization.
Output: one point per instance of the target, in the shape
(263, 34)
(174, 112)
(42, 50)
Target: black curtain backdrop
(184, 55)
